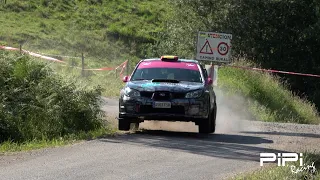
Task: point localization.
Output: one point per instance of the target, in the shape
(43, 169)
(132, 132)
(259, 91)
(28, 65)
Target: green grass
(11, 146)
(268, 97)
(284, 173)
(110, 29)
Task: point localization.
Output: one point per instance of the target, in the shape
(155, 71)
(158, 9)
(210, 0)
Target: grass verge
(281, 173)
(268, 98)
(11, 146)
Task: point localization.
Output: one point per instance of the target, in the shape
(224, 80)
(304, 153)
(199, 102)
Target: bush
(36, 103)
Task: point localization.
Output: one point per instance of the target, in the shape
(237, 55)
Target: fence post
(127, 67)
(82, 65)
(20, 48)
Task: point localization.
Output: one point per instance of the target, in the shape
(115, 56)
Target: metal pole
(196, 45)
(21, 48)
(82, 63)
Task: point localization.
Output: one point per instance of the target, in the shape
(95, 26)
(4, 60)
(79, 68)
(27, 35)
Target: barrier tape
(38, 55)
(108, 68)
(272, 71)
(43, 57)
(123, 65)
(9, 48)
(73, 57)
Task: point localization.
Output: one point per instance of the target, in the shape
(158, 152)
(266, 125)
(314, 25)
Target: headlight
(194, 94)
(131, 92)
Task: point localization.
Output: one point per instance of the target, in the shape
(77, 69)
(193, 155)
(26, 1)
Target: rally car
(168, 89)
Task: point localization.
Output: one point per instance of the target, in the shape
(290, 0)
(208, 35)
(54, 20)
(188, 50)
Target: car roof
(179, 60)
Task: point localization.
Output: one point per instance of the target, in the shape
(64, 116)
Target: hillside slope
(111, 29)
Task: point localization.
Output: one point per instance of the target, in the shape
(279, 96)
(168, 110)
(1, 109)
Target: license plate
(162, 105)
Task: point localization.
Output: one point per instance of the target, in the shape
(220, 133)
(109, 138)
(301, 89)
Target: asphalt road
(166, 150)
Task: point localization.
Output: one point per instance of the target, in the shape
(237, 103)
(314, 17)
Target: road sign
(206, 49)
(214, 47)
(223, 48)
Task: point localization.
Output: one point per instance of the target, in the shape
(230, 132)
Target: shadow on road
(226, 146)
(285, 134)
(224, 138)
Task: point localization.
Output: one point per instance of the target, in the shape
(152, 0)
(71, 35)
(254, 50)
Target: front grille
(146, 94)
(156, 95)
(173, 110)
(160, 96)
(178, 95)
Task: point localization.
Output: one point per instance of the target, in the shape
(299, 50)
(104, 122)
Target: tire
(214, 118)
(124, 124)
(205, 125)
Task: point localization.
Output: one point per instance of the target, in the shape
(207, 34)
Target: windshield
(167, 73)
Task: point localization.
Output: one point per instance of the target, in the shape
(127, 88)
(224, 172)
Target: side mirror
(125, 79)
(209, 81)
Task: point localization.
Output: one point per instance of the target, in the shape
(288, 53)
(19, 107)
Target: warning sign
(206, 49)
(213, 46)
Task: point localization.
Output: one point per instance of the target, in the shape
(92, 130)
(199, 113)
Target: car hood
(164, 86)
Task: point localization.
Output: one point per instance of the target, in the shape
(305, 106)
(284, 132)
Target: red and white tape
(122, 65)
(272, 71)
(31, 54)
(9, 48)
(43, 57)
(109, 68)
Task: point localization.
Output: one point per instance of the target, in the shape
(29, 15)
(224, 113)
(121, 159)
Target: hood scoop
(165, 80)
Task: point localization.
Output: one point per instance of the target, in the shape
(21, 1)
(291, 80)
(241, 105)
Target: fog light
(194, 109)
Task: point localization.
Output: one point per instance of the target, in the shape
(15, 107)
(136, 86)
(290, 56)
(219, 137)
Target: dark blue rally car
(168, 89)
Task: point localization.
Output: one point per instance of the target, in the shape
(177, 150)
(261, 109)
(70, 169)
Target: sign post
(215, 48)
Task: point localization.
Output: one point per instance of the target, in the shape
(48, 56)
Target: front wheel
(205, 125)
(124, 124)
(214, 119)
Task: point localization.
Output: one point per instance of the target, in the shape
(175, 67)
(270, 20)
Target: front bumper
(186, 110)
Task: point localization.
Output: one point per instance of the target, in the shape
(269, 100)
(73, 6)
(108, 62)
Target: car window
(167, 73)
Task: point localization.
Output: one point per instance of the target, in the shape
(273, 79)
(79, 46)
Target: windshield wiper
(140, 79)
(166, 80)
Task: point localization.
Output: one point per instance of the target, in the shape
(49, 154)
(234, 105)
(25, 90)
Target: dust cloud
(231, 111)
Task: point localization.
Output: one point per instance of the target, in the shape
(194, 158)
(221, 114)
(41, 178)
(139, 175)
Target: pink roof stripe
(164, 64)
